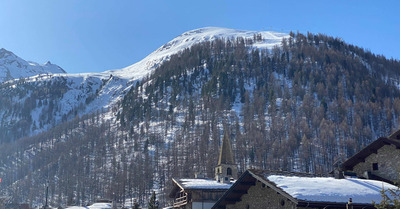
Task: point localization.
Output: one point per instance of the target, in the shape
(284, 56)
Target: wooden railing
(180, 201)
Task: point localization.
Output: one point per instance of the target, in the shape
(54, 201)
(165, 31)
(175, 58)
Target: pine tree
(135, 205)
(153, 203)
(390, 199)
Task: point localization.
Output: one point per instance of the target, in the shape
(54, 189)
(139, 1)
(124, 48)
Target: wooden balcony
(180, 201)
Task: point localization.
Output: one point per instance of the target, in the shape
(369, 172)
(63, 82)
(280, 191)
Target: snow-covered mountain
(299, 107)
(13, 67)
(88, 92)
(188, 39)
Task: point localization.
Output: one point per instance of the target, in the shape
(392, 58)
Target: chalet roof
(373, 147)
(202, 184)
(197, 184)
(307, 190)
(226, 154)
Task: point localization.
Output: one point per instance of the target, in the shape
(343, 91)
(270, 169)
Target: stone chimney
(338, 171)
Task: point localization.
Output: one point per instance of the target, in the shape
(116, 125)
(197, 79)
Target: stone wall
(221, 173)
(388, 163)
(260, 196)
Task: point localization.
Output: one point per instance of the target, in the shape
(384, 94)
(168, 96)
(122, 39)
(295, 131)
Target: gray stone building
(380, 160)
(257, 189)
(201, 193)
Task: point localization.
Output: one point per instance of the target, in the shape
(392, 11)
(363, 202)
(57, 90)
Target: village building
(380, 160)
(200, 193)
(358, 182)
(282, 190)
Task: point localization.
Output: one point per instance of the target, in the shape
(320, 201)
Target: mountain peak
(190, 38)
(12, 67)
(4, 53)
(2, 50)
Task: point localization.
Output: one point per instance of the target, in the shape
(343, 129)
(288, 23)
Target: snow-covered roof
(94, 206)
(308, 190)
(202, 184)
(329, 189)
(100, 205)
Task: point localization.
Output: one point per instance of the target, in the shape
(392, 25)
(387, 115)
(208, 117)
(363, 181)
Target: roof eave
(175, 188)
(306, 203)
(365, 152)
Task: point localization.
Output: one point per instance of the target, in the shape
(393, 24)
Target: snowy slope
(89, 92)
(13, 67)
(188, 39)
(119, 81)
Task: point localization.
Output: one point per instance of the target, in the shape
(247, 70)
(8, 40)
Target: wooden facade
(196, 193)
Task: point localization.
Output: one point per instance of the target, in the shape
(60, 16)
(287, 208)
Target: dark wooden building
(197, 193)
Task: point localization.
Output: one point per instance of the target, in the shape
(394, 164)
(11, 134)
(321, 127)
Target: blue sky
(96, 35)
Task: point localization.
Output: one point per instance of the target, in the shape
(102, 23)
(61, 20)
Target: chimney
(199, 175)
(349, 205)
(338, 171)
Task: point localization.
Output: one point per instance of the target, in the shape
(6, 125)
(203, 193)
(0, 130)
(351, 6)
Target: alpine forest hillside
(302, 106)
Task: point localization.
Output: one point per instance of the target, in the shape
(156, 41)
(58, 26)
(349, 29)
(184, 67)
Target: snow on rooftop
(330, 189)
(203, 184)
(94, 206)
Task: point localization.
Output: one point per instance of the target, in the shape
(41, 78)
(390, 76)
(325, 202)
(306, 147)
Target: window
(283, 202)
(229, 171)
(375, 166)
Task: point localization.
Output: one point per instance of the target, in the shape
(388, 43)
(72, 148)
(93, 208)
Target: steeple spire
(226, 154)
(226, 168)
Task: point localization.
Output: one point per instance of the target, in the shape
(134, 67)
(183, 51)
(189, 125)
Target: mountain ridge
(85, 93)
(301, 106)
(14, 67)
(188, 39)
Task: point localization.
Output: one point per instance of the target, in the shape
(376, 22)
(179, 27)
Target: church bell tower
(226, 168)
